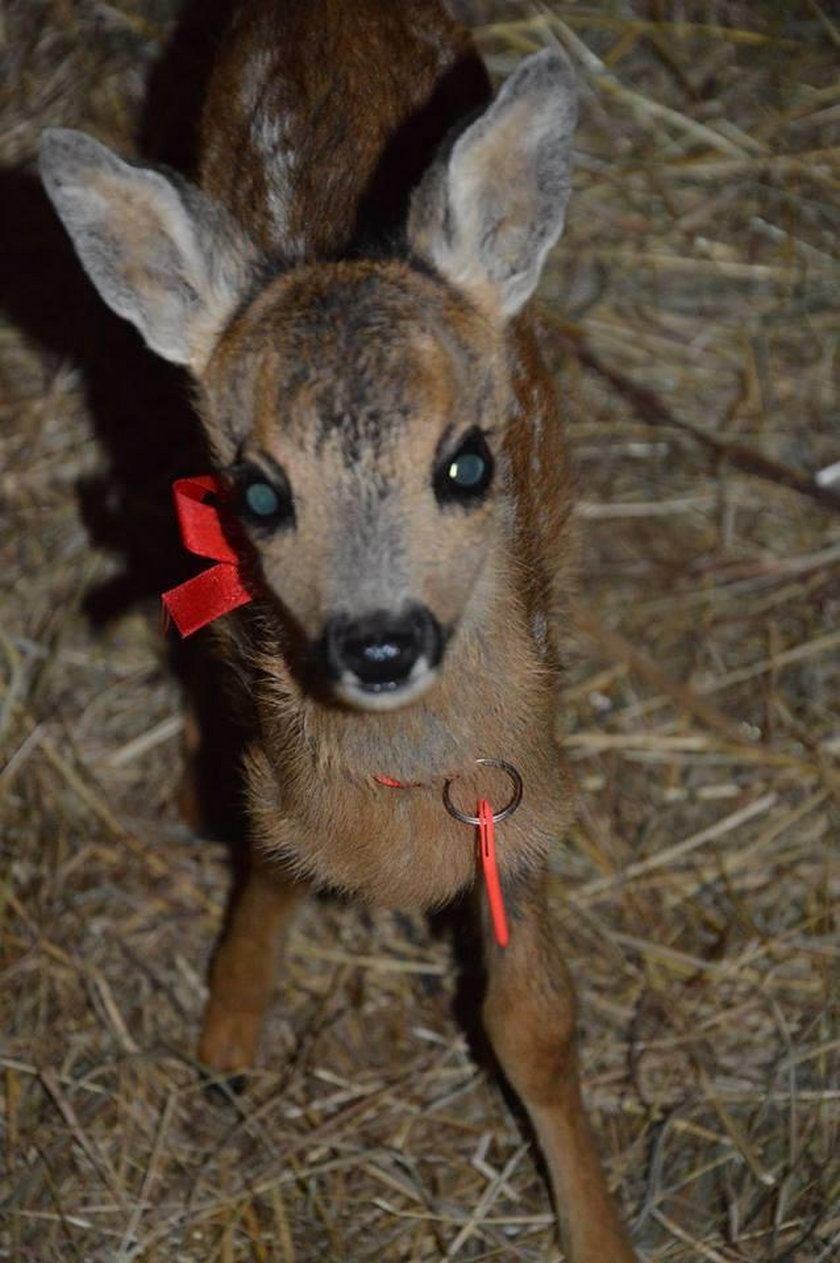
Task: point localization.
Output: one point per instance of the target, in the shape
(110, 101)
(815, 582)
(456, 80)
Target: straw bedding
(691, 312)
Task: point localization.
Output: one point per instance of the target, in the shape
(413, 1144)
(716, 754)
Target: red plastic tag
(487, 845)
(220, 589)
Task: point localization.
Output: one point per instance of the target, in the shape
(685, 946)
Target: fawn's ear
(486, 216)
(159, 251)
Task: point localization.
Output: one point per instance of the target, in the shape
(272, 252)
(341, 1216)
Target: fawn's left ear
(160, 252)
(486, 216)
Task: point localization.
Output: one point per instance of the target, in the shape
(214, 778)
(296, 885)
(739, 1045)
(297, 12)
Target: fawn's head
(358, 407)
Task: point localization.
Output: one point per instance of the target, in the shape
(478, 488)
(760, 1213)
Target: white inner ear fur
(487, 216)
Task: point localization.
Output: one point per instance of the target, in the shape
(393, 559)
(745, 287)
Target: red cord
(487, 844)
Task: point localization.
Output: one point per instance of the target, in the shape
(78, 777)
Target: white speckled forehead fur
(369, 353)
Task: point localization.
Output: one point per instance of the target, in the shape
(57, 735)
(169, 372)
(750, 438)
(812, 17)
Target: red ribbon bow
(222, 588)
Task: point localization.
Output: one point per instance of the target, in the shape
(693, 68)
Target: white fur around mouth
(353, 692)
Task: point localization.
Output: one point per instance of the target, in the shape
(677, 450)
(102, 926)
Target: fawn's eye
(464, 476)
(263, 499)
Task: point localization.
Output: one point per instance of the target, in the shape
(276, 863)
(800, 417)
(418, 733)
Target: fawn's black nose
(382, 652)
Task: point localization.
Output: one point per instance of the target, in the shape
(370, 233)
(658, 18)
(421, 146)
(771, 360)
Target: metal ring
(499, 815)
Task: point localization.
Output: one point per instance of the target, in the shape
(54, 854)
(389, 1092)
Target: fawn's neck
(488, 701)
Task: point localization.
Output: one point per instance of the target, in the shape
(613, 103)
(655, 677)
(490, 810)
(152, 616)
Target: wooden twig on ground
(651, 409)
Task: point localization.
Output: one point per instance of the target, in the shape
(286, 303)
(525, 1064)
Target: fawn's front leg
(529, 1016)
(243, 968)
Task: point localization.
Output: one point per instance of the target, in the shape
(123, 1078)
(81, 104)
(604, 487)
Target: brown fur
(354, 369)
(309, 68)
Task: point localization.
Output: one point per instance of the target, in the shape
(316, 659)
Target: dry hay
(693, 317)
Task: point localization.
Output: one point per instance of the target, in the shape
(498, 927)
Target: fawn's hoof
(228, 1043)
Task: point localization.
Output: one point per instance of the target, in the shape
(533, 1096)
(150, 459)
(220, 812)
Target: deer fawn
(347, 285)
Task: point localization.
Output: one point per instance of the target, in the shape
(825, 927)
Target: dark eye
(464, 476)
(263, 497)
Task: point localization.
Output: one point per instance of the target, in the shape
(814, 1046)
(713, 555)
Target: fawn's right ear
(160, 252)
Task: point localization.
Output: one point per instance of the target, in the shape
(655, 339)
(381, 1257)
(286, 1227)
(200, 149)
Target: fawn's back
(322, 115)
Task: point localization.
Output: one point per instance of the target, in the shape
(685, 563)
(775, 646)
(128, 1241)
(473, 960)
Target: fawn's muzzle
(381, 660)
